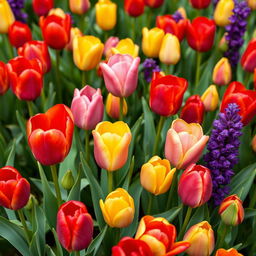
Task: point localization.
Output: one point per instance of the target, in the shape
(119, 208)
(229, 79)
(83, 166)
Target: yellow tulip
(126, 46)
(113, 106)
(210, 98)
(222, 72)
(6, 16)
(106, 14)
(118, 209)
(223, 11)
(170, 50)
(151, 41)
(156, 175)
(87, 52)
(74, 32)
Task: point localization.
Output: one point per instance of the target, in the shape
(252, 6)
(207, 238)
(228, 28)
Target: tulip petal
(105, 214)
(178, 248)
(123, 218)
(167, 182)
(187, 140)
(63, 231)
(157, 247)
(148, 178)
(4, 200)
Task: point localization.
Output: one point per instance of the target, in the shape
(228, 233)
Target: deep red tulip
(42, 7)
(254, 79)
(154, 3)
(50, 134)
(193, 111)
(56, 30)
(4, 79)
(248, 60)
(245, 99)
(134, 7)
(26, 78)
(169, 25)
(131, 247)
(14, 189)
(19, 33)
(74, 226)
(200, 4)
(195, 185)
(37, 50)
(200, 34)
(166, 94)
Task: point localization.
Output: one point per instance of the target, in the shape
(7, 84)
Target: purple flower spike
(17, 6)
(150, 66)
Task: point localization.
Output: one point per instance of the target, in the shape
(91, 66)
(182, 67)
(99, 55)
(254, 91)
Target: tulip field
(127, 127)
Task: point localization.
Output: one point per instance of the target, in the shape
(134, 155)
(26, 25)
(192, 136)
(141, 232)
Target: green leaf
(171, 214)
(59, 248)
(22, 123)
(249, 213)
(11, 157)
(49, 251)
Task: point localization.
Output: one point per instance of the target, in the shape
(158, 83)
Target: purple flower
(223, 150)
(17, 6)
(177, 16)
(150, 66)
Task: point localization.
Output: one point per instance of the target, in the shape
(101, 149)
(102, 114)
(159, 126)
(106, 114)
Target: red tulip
(19, 33)
(248, 60)
(195, 185)
(50, 134)
(134, 7)
(131, 247)
(4, 79)
(37, 50)
(42, 7)
(14, 189)
(169, 25)
(200, 4)
(193, 111)
(254, 79)
(74, 226)
(166, 94)
(26, 78)
(56, 30)
(245, 99)
(200, 34)
(154, 3)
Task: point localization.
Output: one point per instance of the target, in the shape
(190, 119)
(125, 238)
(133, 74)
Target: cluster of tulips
(173, 144)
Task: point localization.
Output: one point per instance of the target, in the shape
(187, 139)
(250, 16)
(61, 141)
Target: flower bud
(134, 7)
(222, 72)
(231, 210)
(113, 106)
(200, 4)
(42, 7)
(223, 11)
(223, 44)
(67, 181)
(210, 98)
(6, 16)
(230, 252)
(126, 46)
(79, 6)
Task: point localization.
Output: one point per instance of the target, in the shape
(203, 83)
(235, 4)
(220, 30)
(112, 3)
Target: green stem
(77, 253)
(159, 129)
(56, 184)
(198, 63)
(247, 79)
(87, 146)
(24, 224)
(185, 223)
(83, 78)
(57, 55)
(173, 186)
(150, 14)
(110, 181)
(133, 28)
(30, 108)
(9, 46)
(150, 202)
(253, 200)
(121, 114)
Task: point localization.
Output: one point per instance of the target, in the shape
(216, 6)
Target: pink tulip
(109, 44)
(121, 74)
(87, 107)
(184, 143)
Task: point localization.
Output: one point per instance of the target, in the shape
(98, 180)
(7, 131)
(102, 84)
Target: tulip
(19, 33)
(231, 210)
(37, 50)
(154, 3)
(50, 134)
(118, 209)
(87, 52)
(14, 189)
(87, 107)
(79, 6)
(111, 144)
(6, 16)
(128, 246)
(200, 34)
(222, 72)
(248, 58)
(126, 46)
(74, 32)
(193, 111)
(254, 79)
(200, 4)
(245, 99)
(156, 175)
(195, 185)
(170, 50)
(210, 98)
(201, 238)
(56, 29)
(151, 41)
(106, 14)
(230, 252)
(223, 44)
(121, 74)
(251, 4)
(223, 12)
(134, 8)
(113, 106)
(26, 78)
(109, 44)
(166, 94)
(42, 7)
(170, 25)
(184, 143)
(68, 181)
(254, 143)
(74, 226)
(160, 236)
(4, 79)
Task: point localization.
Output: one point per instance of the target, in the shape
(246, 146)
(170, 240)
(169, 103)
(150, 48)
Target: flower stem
(77, 253)
(56, 184)
(9, 46)
(110, 181)
(87, 146)
(121, 116)
(57, 55)
(173, 186)
(23, 221)
(150, 202)
(30, 109)
(185, 223)
(247, 79)
(198, 63)
(159, 129)
(83, 78)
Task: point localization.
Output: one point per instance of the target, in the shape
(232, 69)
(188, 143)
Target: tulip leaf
(249, 213)
(14, 234)
(11, 157)
(21, 123)
(198, 216)
(74, 193)
(58, 246)
(49, 251)
(171, 214)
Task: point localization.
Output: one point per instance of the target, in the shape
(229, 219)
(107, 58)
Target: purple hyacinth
(17, 6)
(215, 2)
(150, 66)
(223, 150)
(235, 31)
(177, 16)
